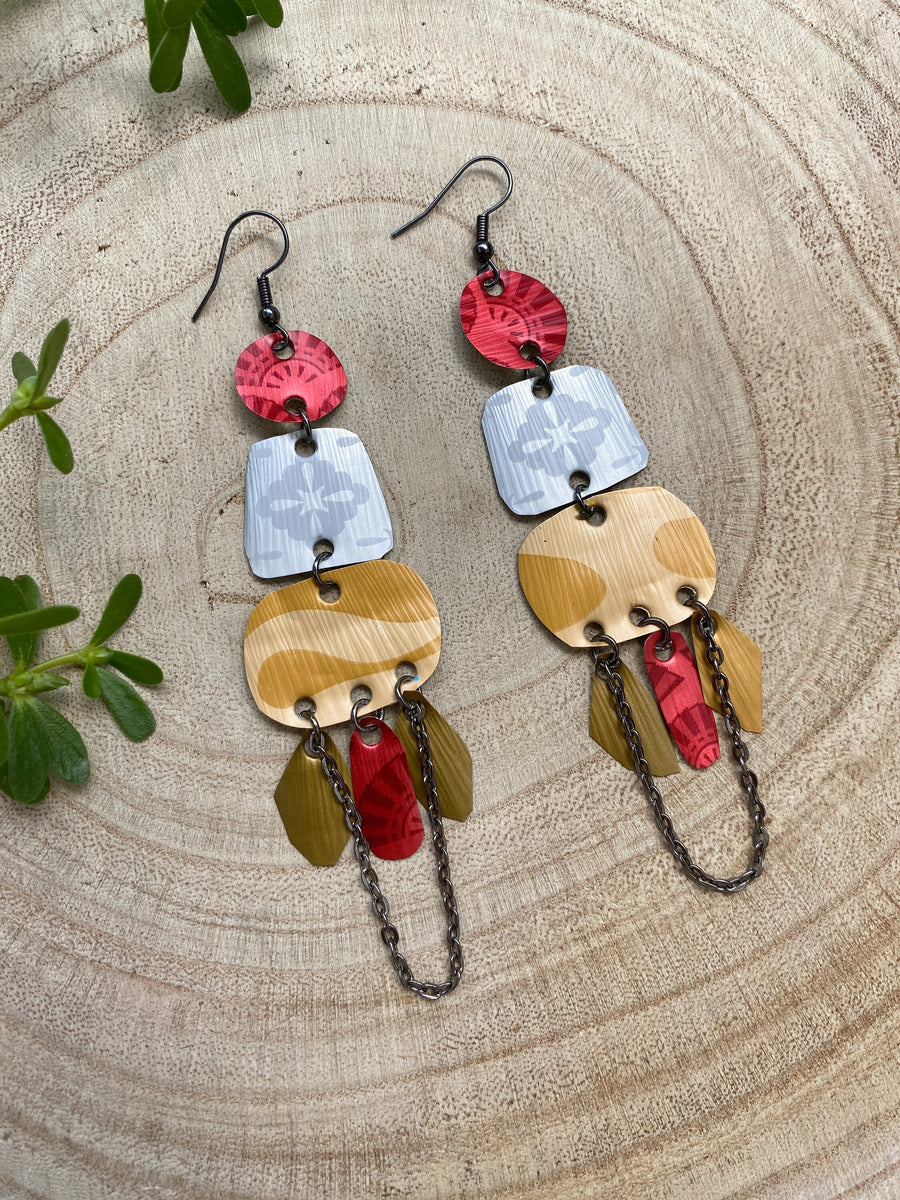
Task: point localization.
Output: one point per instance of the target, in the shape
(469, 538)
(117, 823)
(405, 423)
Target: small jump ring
(354, 716)
(315, 741)
(610, 643)
(321, 583)
(306, 434)
(694, 601)
(647, 619)
(398, 687)
(283, 342)
(495, 274)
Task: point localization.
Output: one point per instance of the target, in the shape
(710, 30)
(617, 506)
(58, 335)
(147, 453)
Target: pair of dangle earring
(318, 651)
(602, 570)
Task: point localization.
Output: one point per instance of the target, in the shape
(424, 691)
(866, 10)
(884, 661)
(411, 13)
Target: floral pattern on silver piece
(536, 444)
(295, 500)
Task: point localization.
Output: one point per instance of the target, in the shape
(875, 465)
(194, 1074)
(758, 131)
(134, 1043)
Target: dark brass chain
(608, 664)
(315, 745)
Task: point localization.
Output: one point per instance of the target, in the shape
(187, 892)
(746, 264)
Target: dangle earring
(317, 651)
(602, 570)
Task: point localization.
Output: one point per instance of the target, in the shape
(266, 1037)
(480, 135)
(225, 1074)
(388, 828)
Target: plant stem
(9, 414)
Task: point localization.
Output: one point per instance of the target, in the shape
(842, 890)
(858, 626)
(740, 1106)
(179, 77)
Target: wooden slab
(188, 1011)
(574, 572)
(299, 645)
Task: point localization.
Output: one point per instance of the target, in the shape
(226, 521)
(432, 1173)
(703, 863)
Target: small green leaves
(90, 682)
(28, 763)
(23, 367)
(169, 27)
(224, 64)
(41, 618)
(67, 754)
(270, 11)
(30, 397)
(119, 607)
(36, 740)
(141, 670)
(165, 67)
(129, 711)
(51, 353)
(57, 444)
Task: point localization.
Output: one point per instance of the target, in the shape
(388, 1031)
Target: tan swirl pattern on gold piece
(649, 546)
(298, 645)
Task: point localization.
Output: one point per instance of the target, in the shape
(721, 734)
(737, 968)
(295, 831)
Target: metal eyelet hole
(406, 669)
(663, 651)
(579, 479)
(371, 734)
(686, 594)
(638, 614)
(285, 352)
(542, 389)
(330, 592)
(305, 446)
(296, 406)
(592, 631)
(361, 692)
(323, 546)
(496, 288)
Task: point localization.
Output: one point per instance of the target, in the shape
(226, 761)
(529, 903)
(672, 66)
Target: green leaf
(57, 443)
(32, 595)
(270, 11)
(45, 682)
(224, 63)
(119, 607)
(41, 618)
(90, 682)
(29, 756)
(44, 402)
(141, 670)
(156, 26)
(23, 367)
(67, 752)
(165, 66)
(226, 15)
(30, 590)
(4, 736)
(13, 602)
(51, 353)
(129, 711)
(180, 12)
(6, 787)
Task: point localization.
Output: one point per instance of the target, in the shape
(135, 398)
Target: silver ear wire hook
(483, 248)
(268, 313)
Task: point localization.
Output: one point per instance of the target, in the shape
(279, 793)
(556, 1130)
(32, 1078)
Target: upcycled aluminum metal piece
(536, 444)
(295, 500)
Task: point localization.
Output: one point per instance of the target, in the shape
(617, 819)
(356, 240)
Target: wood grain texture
(188, 1010)
(576, 573)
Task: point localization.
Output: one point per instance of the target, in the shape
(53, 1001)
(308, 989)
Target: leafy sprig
(30, 397)
(215, 22)
(36, 740)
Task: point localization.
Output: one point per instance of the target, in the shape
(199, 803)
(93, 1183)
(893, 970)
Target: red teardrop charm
(525, 311)
(677, 687)
(384, 793)
(314, 375)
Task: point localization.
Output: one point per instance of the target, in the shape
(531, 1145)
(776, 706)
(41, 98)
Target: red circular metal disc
(314, 374)
(525, 311)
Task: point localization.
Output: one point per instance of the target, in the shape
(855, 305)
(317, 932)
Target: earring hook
(268, 313)
(483, 248)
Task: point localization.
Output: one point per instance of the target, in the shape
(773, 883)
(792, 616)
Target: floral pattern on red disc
(314, 374)
(525, 311)
(384, 793)
(677, 686)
